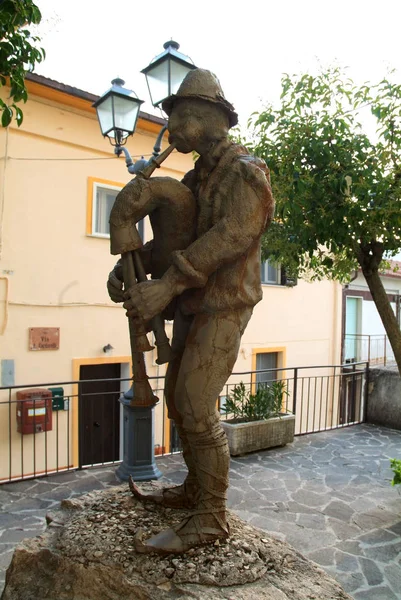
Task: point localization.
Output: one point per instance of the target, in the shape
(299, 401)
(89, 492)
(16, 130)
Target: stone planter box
(259, 435)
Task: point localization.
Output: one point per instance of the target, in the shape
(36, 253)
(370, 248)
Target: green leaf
(6, 116)
(18, 115)
(265, 403)
(36, 14)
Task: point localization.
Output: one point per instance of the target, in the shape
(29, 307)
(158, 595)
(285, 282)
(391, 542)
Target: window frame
(265, 265)
(281, 352)
(93, 184)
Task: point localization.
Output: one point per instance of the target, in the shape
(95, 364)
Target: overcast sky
(247, 44)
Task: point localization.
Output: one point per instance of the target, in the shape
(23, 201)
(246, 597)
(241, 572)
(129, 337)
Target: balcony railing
(375, 349)
(80, 424)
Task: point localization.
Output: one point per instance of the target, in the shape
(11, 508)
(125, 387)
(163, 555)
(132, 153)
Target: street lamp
(118, 108)
(166, 72)
(118, 111)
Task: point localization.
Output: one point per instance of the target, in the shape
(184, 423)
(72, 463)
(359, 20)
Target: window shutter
(286, 280)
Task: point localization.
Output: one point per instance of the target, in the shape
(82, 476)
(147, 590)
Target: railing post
(385, 350)
(365, 404)
(80, 428)
(294, 394)
(353, 398)
(369, 348)
(9, 435)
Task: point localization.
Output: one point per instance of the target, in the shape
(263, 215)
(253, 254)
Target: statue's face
(194, 124)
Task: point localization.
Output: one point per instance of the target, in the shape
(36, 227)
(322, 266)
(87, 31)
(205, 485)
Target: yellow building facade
(57, 179)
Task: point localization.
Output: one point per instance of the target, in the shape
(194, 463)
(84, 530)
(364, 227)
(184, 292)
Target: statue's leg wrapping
(212, 459)
(191, 485)
(211, 350)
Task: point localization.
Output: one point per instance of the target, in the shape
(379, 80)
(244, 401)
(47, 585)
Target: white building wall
(371, 343)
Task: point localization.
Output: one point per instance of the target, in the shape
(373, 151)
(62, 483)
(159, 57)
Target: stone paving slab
(328, 494)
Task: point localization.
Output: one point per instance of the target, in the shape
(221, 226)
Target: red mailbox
(34, 411)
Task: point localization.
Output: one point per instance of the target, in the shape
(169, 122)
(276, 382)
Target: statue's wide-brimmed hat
(203, 85)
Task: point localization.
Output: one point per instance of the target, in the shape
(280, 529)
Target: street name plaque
(44, 338)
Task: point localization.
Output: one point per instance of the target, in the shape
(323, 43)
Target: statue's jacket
(234, 207)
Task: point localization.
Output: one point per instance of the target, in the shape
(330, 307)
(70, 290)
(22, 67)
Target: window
(270, 272)
(103, 203)
(266, 360)
(101, 197)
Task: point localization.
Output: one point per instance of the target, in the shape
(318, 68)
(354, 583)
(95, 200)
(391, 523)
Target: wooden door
(99, 414)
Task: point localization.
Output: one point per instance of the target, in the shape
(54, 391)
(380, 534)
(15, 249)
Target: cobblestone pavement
(327, 494)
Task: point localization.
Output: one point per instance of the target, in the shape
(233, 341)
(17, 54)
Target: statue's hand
(147, 299)
(115, 287)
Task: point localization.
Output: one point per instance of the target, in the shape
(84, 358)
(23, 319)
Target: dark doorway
(351, 396)
(99, 414)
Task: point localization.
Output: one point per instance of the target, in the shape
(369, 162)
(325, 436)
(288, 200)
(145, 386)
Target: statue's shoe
(174, 497)
(193, 531)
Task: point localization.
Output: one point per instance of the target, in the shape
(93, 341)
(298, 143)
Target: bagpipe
(171, 208)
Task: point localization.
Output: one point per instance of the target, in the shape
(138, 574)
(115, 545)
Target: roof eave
(85, 99)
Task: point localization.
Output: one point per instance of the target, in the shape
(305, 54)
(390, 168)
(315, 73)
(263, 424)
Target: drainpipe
(3, 190)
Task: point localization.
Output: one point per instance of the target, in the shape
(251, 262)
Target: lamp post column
(138, 441)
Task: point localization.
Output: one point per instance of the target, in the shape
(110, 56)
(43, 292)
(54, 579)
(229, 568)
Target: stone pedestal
(88, 552)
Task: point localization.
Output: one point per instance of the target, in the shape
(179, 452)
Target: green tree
(334, 151)
(18, 53)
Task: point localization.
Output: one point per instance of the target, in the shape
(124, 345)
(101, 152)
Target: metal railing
(375, 349)
(321, 397)
(82, 426)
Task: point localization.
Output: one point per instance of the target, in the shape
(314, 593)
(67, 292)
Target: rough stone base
(87, 553)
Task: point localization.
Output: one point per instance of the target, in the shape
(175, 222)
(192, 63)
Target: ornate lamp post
(118, 108)
(118, 111)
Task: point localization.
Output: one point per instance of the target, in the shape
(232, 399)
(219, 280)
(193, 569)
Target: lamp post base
(138, 442)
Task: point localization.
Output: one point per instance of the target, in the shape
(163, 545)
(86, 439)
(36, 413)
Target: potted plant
(257, 421)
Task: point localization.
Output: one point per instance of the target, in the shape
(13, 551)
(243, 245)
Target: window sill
(277, 285)
(102, 236)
